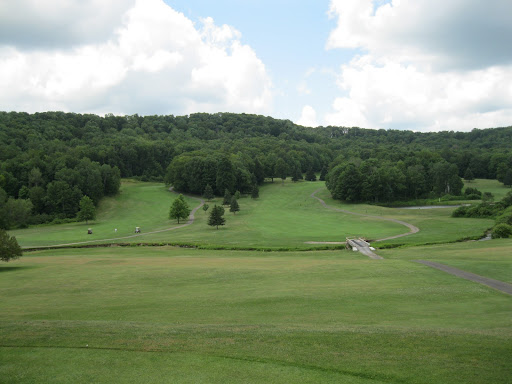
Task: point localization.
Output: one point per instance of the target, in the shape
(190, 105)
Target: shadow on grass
(6, 268)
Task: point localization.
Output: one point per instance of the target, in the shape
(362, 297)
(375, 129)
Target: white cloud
(430, 64)
(308, 117)
(155, 61)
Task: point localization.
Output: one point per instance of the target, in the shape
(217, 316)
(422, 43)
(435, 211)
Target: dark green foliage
(225, 175)
(323, 174)
(487, 197)
(216, 216)
(237, 195)
(255, 193)
(179, 209)
(9, 247)
(234, 207)
(87, 210)
(501, 231)
(208, 193)
(205, 207)
(472, 192)
(310, 175)
(507, 179)
(227, 198)
(468, 175)
(16, 213)
(90, 153)
(281, 169)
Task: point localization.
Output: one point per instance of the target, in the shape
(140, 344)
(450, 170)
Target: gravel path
(496, 284)
(412, 228)
(191, 219)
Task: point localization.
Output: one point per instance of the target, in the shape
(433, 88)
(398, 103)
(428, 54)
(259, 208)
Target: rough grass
(494, 186)
(170, 315)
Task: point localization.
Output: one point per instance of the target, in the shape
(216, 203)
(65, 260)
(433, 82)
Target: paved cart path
(496, 284)
(190, 221)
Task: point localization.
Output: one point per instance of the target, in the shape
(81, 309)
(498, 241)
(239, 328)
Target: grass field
(169, 315)
(284, 216)
(184, 315)
(494, 186)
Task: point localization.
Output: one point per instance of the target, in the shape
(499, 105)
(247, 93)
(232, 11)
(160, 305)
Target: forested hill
(44, 154)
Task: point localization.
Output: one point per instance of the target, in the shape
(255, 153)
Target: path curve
(412, 228)
(495, 284)
(190, 221)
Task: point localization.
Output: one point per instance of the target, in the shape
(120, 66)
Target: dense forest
(49, 161)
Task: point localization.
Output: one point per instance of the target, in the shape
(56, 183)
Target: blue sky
(423, 65)
(290, 37)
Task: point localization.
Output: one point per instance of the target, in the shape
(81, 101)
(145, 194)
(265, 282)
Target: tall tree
(208, 193)
(281, 169)
(225, 175)
(227, 197)
(310, 175)
(9, 247)
(87, 210)
(507, 180)
(468, 175)
(179, 209)
(234, 207)
(216, 216)
(255, 192)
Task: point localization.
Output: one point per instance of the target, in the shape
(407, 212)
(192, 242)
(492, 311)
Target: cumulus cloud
(308, 117)
(426, 64)
(154, 60)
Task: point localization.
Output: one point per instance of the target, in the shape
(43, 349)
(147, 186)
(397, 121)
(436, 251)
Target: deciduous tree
(87, 210)
(179, 209)
(9, 247)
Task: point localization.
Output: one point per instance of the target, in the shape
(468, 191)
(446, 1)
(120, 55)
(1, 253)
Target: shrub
(501, 231)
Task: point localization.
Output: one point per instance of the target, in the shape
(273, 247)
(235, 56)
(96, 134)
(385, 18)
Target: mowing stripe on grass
(495, 284)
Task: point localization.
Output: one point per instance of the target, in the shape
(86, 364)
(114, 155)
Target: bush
(501, 231)
(460, 212)
(472, 191)
(472, 196)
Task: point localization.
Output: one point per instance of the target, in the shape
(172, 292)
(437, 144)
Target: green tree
(310, 175)
(17, 212)
(87, 210)
(234, 207)
(227, 197)
(507, 180)
(179, 209)
(9, 247)
(255, 193)
(216, 216)
(323, 173)
(237, 195)
(225, 175)
(208, 192)
(281, 169)
(205, 207)
(468, 175)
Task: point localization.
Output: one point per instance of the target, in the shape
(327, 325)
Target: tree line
(49, 161)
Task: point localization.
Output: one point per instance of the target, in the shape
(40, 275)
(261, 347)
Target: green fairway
(436, 225)
(169, 315)
(494, 186)
(284, 216)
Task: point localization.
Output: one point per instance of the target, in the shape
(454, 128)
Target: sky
(422, 65)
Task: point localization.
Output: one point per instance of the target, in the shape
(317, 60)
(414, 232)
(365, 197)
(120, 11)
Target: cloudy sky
(403, 64)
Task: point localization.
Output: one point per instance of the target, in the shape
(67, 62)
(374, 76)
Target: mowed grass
(486, 258)
(494, 186)
(284, 216)
(169, 315)
(436, 225)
